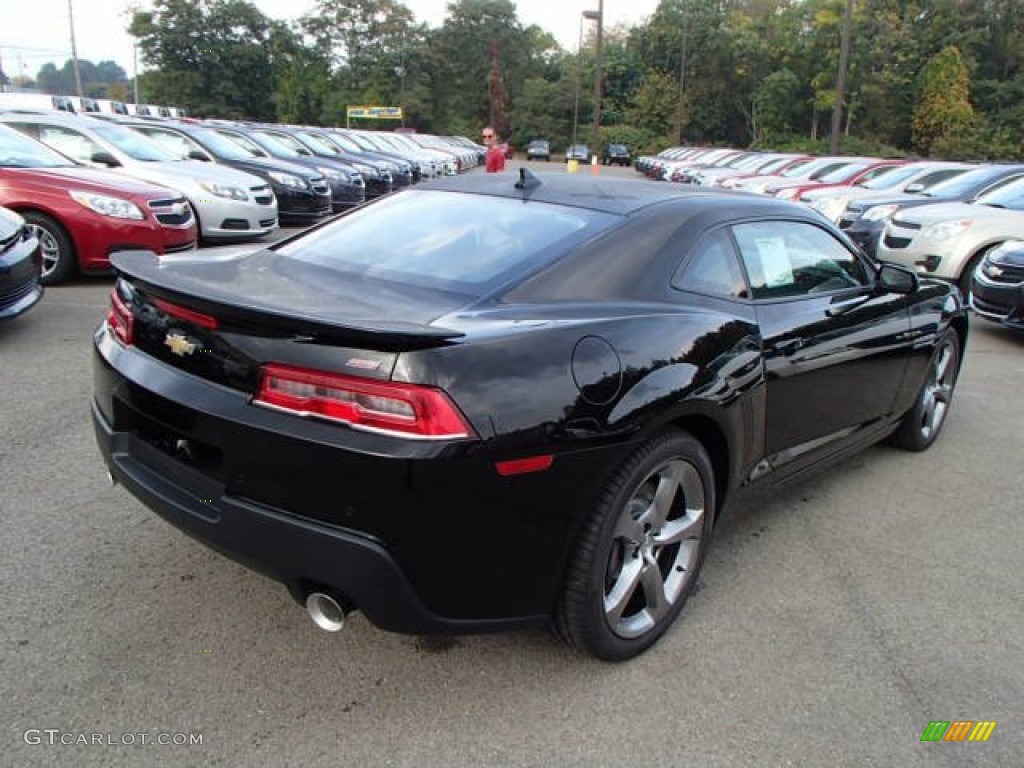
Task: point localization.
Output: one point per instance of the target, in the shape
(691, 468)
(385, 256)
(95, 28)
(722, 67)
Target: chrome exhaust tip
(325, 611)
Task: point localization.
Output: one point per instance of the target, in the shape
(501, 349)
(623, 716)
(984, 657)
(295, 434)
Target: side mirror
(915, 187)
(104, 158)
(894, 278)
(304, 151)
(197, 154)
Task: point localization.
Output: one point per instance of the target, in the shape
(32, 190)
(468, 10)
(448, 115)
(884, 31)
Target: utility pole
(596, 138)
(135, 73)
(74, 51)
(844, 55)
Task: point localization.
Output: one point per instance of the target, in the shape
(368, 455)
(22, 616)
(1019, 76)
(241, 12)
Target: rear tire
(60, 261)
(924, 421)
(640, 553)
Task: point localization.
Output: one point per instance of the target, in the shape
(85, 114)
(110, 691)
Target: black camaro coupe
(488, 403)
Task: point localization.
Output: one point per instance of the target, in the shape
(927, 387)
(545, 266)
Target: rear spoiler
(142, 270)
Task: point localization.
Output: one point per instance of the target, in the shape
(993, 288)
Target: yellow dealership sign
(375, 113)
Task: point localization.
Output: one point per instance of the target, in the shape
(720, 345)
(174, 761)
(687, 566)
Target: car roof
(607, 194)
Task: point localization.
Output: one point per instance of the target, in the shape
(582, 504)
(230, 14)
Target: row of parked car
(87, 105)
(88, 186)
(613, 154)
(961, 222)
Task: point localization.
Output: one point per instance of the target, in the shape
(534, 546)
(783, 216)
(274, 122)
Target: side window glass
(71, 143)
(792, 258)
(712, 268)
(174, 143)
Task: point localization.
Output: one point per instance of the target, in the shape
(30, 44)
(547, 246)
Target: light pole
(135, 72)
(597, 16)
(74, 50)
(579, 77)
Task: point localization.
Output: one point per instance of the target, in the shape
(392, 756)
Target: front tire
(923, 422)
(639, 555)
(60, 261)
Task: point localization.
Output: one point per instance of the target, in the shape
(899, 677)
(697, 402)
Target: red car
(82, 215)
(858, 169)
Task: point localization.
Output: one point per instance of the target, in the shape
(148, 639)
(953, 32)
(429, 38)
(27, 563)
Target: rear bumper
(303, 554)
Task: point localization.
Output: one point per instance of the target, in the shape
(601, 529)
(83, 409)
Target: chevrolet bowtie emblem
(179, 345)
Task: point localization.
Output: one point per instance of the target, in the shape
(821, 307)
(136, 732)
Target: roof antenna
(527, 180)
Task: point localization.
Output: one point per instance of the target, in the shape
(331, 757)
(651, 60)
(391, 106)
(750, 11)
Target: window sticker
(775, 264)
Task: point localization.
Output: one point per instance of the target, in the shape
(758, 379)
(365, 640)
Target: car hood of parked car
(262, 165)
(172, 172)
(930, 214)
(95, 180)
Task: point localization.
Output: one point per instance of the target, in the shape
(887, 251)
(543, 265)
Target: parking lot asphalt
(834, 619)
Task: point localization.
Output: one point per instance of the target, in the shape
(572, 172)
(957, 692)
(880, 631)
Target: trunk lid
(223, 317)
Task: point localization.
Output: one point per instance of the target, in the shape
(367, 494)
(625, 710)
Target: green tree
(461, 58)
(213, 56)
(943, 108)
(654, 105)
(776, 106)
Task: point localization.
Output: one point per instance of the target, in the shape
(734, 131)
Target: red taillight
(184, 313)
(120, 319)
(407, 410)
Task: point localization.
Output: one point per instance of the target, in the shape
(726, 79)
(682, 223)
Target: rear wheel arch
(712, 436)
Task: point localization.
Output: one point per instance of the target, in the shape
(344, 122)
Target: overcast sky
(33, 32)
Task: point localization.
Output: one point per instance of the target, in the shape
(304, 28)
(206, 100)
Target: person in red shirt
(495, 153)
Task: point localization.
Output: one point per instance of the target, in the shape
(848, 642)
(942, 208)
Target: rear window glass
(445, 240)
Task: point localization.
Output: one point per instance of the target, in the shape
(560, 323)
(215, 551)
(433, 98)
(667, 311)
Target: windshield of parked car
(889, 177)
(966, 184)
(347, 139)
(284, 139)
(17, 151)
(802, 170)
(368, 141)
(133, 144)
(845, 173)
(345, 142)
(259, 146)
(772, 165)
(449, 241)
(221, 145)
(1009, 196)
(319, 144)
